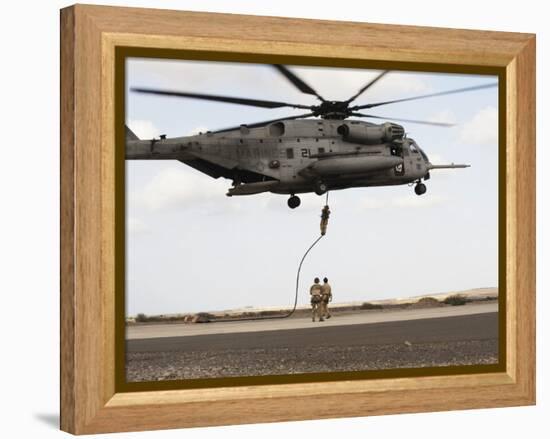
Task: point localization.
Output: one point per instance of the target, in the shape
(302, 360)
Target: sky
(190, 248)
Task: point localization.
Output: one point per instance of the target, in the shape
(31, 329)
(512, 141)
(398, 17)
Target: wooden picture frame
(91, 400)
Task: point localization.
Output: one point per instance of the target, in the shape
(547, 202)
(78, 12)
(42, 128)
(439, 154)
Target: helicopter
(317, 151)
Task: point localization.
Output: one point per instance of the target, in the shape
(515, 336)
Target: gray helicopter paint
(293, 155)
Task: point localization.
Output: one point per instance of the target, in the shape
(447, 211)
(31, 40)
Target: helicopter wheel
(320, 187)
(293, 202)
(420, 189)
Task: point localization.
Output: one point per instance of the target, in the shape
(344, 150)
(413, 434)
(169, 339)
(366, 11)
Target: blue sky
(191, 248)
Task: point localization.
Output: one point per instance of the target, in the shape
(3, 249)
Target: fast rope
(325, 213)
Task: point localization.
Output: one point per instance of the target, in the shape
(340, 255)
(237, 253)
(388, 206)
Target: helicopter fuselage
(298, 156)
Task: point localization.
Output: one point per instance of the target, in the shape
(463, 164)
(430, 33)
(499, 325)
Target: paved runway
(478, 326)
(359, 318)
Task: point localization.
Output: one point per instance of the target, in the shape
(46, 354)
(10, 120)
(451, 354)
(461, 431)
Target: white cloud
(438, 159)
(372, 203)
(347, 82)
(408, 201)
(263, 81)
(179, 187)
(443, 116)
(414, 200)
(197, 130)
(136, 226)
(482, 129)
(195, 75)
(144, 129)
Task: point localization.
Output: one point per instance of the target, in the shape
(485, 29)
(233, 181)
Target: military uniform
(325, 213)
(326, 297)
(316, 301)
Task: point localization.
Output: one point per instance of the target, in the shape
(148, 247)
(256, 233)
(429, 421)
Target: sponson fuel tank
(353, 164)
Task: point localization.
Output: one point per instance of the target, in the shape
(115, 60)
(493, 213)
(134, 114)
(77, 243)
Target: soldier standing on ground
(326, 297)
(315, 293)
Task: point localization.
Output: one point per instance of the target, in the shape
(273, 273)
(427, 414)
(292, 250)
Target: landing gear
(420, 189)
(293, 202)
(320, 187)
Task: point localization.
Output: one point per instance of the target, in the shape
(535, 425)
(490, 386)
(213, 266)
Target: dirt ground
(148, 366)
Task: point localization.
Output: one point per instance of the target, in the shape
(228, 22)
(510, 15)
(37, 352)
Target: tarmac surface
(468, 327)
(158, 330)
(469, 335)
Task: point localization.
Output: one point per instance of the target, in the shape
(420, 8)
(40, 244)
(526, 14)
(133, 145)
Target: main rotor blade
(217, 98)
(371, 83)
(298, 83)
(265, 122)
(423, 122)
(441, 93)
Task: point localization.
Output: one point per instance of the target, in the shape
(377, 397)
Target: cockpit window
(413, 148)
